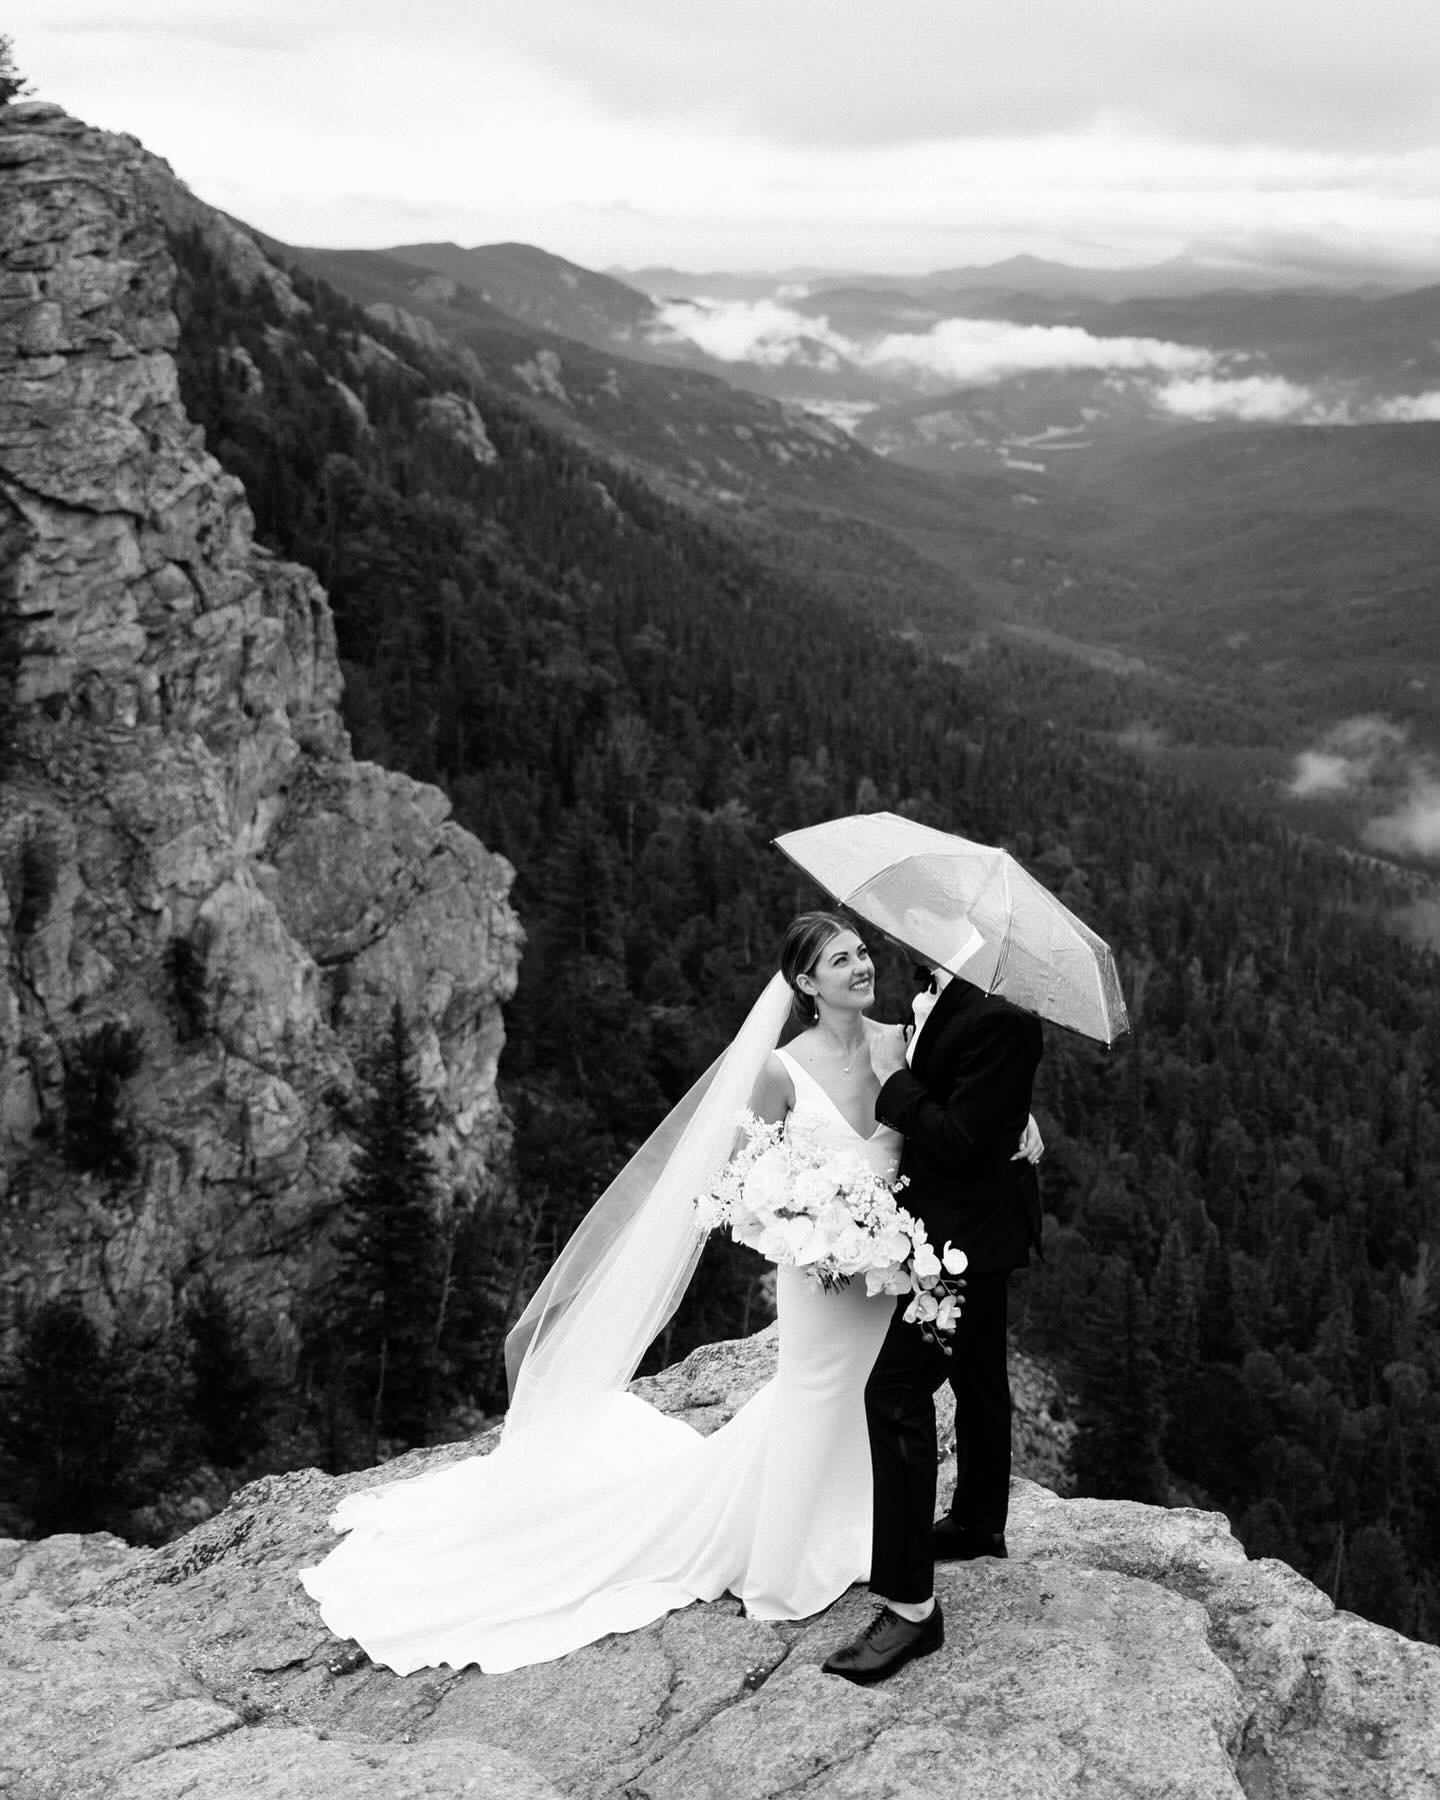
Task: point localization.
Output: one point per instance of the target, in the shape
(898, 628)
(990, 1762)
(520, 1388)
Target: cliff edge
(1123, 1651)
(208, 908)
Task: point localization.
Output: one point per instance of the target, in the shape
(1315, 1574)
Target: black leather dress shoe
(886, 1644)
(957, 1543)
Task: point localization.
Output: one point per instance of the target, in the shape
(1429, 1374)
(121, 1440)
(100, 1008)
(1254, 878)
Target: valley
(1225, 499)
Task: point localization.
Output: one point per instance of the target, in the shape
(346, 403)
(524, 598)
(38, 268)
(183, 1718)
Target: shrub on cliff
(185, 968)
(97, 1137)
(36, 880)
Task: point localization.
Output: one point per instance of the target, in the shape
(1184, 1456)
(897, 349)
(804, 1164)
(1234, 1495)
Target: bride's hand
(1032, 1145)
(887, 1050)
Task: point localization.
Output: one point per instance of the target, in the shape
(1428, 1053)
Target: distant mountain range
(1178, 275)
(1026, 362)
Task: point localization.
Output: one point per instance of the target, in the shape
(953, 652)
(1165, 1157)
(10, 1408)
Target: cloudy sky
(743, 134)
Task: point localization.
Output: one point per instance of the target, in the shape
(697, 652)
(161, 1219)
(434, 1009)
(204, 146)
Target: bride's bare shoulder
(803, 1046)
(774, 1094)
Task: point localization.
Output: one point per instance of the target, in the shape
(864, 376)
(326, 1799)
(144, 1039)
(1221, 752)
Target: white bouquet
(814, 1207)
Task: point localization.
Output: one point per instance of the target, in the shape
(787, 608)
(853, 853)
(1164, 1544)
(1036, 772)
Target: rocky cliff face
(1123, 1651)
(199, 883)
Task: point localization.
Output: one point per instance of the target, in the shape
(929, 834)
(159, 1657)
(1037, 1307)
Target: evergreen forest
(628, 699)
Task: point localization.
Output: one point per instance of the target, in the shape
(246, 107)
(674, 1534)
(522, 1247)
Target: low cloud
(1319, 772)
(1255, 399)
(1413, 828)
(1420, 922)
(754, 331)
(1275, 400)
(953, 350)
(1143, 736)
(1350, 757)
(1370, 758)
(1184, 381)
(984, 350)
(1410, 409)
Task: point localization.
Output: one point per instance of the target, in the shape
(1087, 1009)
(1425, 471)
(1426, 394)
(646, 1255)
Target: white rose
(773, 1244)
(832, 1218)
(813, 1189)
(768, 1183)
(852, 1249)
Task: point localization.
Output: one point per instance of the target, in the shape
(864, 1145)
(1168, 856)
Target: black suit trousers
(900, 1413)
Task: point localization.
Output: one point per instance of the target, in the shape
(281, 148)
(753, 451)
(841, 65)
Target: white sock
(913, 1610)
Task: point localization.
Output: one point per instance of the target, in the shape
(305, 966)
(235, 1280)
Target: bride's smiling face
(843, 975)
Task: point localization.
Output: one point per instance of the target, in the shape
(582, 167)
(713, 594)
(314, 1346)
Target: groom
(960, 1092)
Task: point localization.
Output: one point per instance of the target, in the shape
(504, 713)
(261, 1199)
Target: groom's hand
(887, 1050)
(1032, 1145)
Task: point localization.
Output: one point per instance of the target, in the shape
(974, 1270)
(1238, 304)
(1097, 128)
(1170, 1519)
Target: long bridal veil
(622, 1274)
(595, 1512)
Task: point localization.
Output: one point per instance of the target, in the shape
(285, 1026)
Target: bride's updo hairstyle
(805, 937)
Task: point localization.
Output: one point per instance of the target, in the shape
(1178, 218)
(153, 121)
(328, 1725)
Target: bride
(596, 1513)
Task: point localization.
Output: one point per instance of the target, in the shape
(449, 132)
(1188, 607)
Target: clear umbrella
(970, 908)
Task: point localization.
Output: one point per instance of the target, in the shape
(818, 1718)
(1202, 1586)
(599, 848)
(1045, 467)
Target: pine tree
(58, 1423)
(1116, 1454)
(228, 1399)
(389, 1280)
(13, 85)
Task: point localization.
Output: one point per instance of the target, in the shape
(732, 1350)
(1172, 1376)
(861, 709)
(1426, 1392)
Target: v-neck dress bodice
(821, 1119)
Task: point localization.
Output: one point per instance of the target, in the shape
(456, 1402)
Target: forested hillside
(1240, 1275)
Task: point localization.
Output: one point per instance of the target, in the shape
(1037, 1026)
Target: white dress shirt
(922, 1006)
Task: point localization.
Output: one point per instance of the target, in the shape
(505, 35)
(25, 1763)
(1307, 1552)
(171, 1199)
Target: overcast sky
(743, 134)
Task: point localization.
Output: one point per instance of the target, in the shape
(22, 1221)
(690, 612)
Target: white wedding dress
(524, 1555)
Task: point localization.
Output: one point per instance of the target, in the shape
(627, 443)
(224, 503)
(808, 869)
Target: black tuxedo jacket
(962, 1105)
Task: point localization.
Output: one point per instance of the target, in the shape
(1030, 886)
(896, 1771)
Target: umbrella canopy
(969, 908)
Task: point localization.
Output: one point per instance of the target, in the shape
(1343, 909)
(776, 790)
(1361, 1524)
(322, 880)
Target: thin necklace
(846, 1067)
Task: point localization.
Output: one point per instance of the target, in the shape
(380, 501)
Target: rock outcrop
(199, 883)
(1123, 1651)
